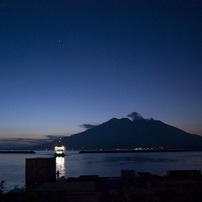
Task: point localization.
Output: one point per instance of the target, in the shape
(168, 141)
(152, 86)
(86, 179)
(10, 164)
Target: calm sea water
(12, 166)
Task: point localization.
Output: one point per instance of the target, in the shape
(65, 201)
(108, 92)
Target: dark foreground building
(131, 186)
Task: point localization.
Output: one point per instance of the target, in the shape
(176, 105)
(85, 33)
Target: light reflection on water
(60, 165)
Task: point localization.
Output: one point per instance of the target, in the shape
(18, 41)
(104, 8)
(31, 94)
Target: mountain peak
(125, 133)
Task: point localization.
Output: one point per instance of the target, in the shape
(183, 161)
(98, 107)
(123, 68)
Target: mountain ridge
(129, 134)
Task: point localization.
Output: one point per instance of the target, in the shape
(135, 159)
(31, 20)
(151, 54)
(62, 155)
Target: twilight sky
(64, 63)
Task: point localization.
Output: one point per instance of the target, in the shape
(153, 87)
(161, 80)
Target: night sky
(64, 63)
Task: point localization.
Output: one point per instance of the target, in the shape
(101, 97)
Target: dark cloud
(88, 126)
(24, 142)
(19, 142)
(54, 137)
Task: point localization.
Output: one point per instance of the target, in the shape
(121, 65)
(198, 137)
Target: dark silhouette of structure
(39, 170)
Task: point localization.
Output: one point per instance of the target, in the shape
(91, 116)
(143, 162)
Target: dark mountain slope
(124, 133)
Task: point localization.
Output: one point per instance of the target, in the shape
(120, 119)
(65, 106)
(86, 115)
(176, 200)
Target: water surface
(12, 166)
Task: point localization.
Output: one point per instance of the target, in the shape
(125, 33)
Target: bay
(12, 166)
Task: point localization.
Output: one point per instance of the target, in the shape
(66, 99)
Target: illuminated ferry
(60, 150)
